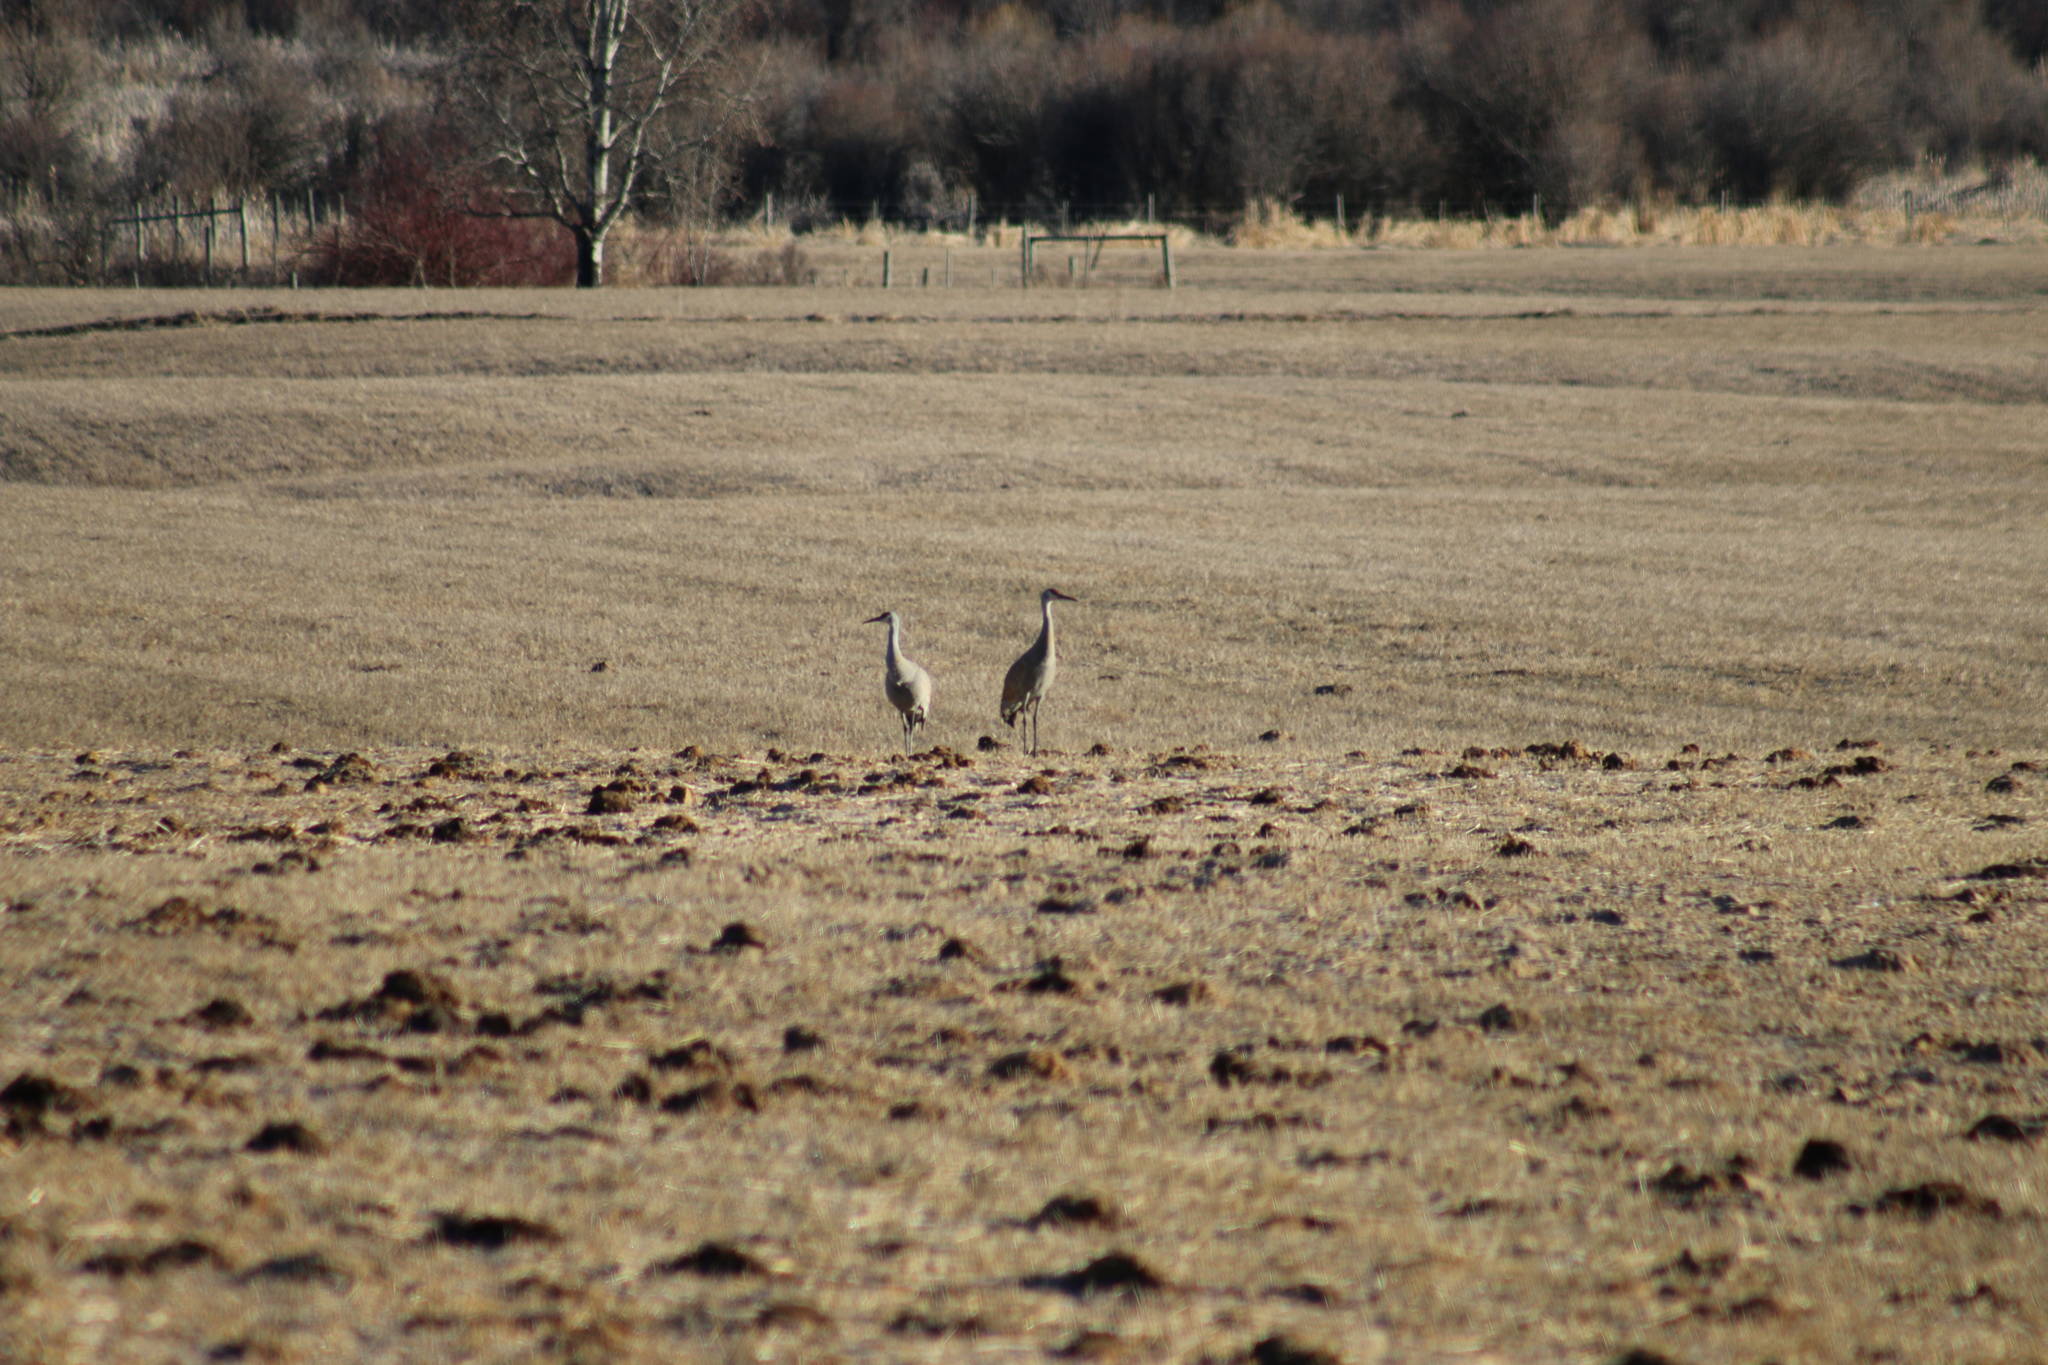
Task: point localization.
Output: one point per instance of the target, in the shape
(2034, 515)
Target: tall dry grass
(1928, 207)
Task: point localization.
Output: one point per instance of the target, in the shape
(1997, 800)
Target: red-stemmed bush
(417, 215)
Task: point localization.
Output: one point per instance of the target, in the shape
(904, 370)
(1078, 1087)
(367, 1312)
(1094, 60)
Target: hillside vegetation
(951, 115)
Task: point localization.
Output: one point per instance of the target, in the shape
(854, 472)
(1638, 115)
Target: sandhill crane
(1030, 678)
(908, 687)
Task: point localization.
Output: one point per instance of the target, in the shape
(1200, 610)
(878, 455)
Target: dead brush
(1269, 224)
(699, 259)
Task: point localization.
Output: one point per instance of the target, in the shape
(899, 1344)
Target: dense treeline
(1395, 104)
(933, 111)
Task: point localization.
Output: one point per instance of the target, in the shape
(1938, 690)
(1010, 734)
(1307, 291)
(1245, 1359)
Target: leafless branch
(578, 100)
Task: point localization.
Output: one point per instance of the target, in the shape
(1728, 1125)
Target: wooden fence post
(1166, 257)
(885, 270)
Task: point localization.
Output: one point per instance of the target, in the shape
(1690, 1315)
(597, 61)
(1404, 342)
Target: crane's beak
(872, 619)
(1062, 596)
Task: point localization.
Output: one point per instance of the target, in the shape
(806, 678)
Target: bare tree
(581, 105)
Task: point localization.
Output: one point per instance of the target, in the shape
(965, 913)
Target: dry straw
(1927, 206)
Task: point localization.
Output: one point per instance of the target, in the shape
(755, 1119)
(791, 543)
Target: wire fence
(969, 214)
(169, 240)
(277, 239)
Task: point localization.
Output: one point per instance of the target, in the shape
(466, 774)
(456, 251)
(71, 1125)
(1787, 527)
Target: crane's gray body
(1030, 678)
(907, 686)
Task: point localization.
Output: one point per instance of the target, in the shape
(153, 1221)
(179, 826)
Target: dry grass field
(1540, 853)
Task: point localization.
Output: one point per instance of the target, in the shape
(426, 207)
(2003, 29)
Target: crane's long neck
(1045, 634)
(893, 651)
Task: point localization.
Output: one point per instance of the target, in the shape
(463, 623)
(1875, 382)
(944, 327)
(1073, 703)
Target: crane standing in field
(1030, 678)
(908, 687)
